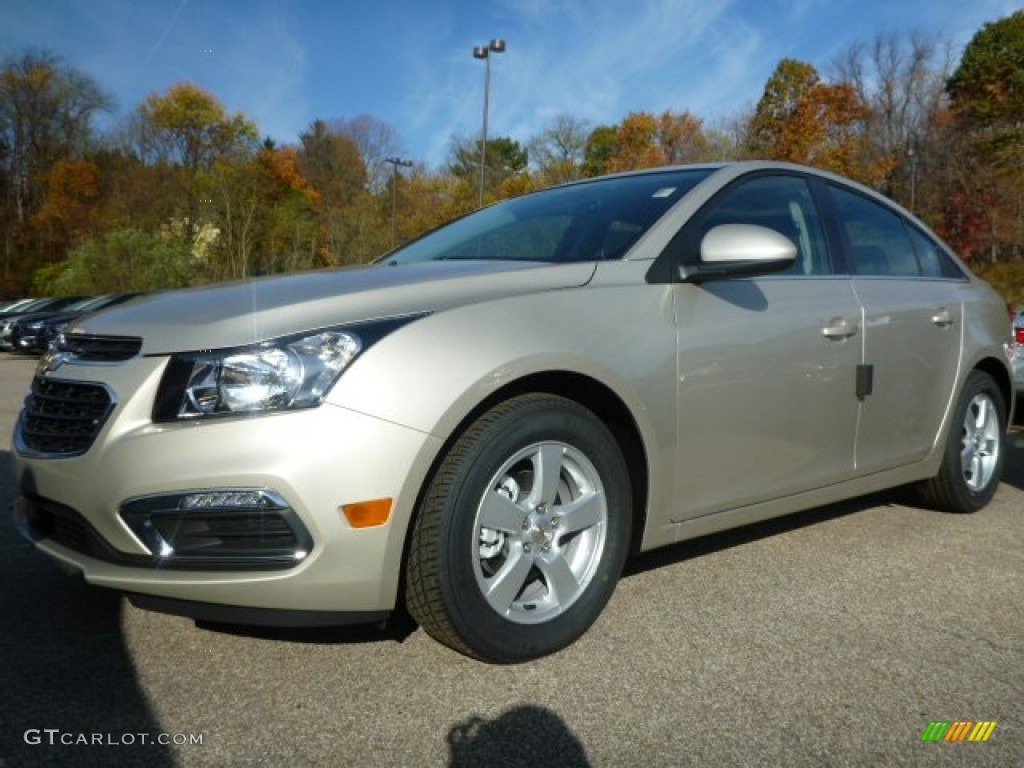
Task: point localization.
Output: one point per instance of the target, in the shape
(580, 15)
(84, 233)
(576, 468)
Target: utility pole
(395, 163)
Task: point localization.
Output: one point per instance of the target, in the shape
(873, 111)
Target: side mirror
(740, 250)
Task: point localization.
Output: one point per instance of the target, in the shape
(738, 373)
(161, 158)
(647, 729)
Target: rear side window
(878, 242)
(933, 259)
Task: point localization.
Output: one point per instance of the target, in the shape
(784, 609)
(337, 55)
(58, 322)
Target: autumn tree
(801, 119)
(350, 218)
(46, 114)
(682, 138)
(599, 150)
(636, 144)
(557, 152)
(426, 200)
(375, 140)
(188, 128)
(261, 218)
(505, 158)
(646, 140)
(900, 80)
(987, 97)
(332, 163)
(783, 92)
(72, 208)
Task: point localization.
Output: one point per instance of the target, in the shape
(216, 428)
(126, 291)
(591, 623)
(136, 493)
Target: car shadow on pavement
(70, 694)
(525, 736)
(397, 629)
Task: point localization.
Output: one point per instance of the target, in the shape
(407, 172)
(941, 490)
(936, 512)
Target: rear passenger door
(908, 290)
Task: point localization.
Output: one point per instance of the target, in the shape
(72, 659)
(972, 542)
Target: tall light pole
(497, 45)
(395, 162)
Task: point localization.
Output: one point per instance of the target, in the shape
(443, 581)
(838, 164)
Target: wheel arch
(610, 409)
(1003, 380)
(584, 390)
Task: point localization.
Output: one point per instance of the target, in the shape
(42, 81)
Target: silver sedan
(481, 427)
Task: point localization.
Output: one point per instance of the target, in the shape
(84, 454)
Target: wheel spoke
(977, 469)
(582, 513)
(508, 582)
(967, 457)
(547, 471)
(561, 580)
(980, 412)
(500, 513)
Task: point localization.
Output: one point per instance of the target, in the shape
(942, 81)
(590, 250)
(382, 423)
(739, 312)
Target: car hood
(246, 312)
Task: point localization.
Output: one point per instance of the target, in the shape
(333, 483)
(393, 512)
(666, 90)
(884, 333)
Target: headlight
(275, 376)
(282, 374)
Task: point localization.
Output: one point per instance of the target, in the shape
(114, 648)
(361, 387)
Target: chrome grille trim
(62, 418)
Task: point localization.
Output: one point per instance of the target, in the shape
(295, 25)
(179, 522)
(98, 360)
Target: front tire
(972, 464)
(522, 533)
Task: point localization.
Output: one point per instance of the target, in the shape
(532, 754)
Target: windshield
(590, 221)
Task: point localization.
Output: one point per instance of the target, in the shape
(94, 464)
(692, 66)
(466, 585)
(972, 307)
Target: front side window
(781, 203)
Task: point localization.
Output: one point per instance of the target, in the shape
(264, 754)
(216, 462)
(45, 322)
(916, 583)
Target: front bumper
(317, 460)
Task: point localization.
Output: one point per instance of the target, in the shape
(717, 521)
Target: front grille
(62, 418)
(85, 347)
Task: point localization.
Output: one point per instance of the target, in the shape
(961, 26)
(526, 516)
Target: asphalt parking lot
(829, 638)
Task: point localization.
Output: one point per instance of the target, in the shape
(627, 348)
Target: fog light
(231, 528)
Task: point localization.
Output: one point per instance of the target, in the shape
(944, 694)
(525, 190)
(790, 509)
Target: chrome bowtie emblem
(51, 361)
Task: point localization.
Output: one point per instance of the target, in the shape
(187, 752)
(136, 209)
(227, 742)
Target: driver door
(767, 366)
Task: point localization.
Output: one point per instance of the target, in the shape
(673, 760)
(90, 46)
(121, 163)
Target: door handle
(943, 318)
(838, 329)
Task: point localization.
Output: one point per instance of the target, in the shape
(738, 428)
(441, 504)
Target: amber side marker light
(366, 514)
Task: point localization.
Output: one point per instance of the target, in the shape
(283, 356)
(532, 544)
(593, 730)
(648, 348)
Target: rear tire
(522, 533)
(972, 463)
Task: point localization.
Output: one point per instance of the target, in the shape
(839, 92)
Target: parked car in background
(1017, 351)
(32, 333)
(49, 303)
(483, 425)
(12, 306)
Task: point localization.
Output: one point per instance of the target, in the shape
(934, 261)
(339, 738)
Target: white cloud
(264, 70)
(597, 61)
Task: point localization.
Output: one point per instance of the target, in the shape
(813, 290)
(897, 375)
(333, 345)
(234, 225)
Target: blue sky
(284, 63)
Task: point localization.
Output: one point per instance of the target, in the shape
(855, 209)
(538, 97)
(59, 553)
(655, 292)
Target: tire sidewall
(967, 499)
